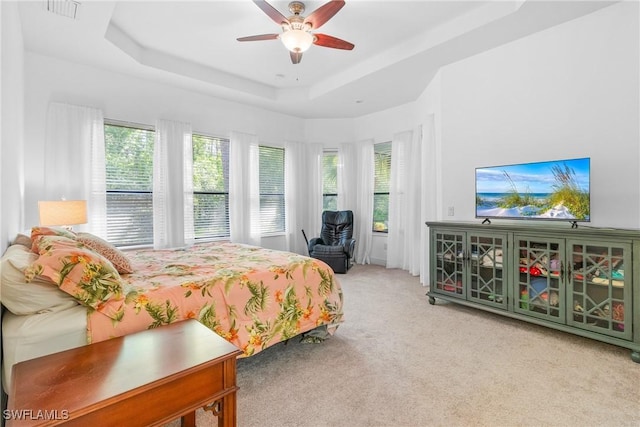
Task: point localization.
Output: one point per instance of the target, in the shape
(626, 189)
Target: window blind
(382, 179)
(210, 187)
(272, 207)
(129, 176)
(330, 181)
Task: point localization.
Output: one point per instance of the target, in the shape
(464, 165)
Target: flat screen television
(550, 190)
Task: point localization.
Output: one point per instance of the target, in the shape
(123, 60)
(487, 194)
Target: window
(382, 178)
(330, 181)
(129, 174)
(210, 187)
(272, 216)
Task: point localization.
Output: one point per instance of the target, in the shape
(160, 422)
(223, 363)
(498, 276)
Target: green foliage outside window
(129, 158)
(330, 181)
(210, 187)
(382, 179)
(129, 173)
(129, 182)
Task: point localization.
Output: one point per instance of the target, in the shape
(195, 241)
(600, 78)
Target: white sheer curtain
(347, 177)
(430, 173)
(244, 188)
(405, 224)
(74, 161)
(172, 185)
(364, 203)
(294, 175)
(312, 220)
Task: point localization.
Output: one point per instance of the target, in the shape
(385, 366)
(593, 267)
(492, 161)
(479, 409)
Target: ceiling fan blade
(323, 14)
(258, 37)
(332, 42)
(271, 12)
(296, 57)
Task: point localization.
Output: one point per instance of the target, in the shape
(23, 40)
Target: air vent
(68, 8)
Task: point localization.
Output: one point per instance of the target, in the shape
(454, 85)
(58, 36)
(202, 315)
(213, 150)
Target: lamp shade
(63, 212)
(297, 40)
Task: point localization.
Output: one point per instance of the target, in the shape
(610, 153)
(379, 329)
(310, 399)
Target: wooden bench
(147, 378)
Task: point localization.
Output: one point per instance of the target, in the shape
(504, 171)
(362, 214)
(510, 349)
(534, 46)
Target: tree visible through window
(382, 165)
(129, 176)
(272, 212)
(330, 181)
(210, 187)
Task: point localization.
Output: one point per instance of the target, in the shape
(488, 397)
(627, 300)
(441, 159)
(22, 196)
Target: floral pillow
(107, 250)
(82, 273)
(49, 231)
(52, 231)
(40, 295)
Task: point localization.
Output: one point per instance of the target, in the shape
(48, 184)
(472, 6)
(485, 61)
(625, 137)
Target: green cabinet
(449, 263)
(539, 285)
(600, 287)
(580, 281)
(470, 266)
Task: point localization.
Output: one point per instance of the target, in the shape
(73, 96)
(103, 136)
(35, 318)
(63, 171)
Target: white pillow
(22, 298)
(22, 239)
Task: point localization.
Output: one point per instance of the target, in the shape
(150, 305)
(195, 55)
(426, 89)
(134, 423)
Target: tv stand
(574, 224)
(486, 221)
(581, 281)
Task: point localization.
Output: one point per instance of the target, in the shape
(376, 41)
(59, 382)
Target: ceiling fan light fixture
(297, 40)
(296, 33)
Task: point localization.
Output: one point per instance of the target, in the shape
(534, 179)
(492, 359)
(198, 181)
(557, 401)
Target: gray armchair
(335, 246)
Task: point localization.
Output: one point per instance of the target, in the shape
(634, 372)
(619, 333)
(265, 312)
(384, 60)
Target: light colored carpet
(399, 361)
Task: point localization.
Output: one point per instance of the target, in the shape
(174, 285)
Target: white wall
(381, 126)
(329, 132)
(11, 119)
(122, 97)
(570, 91)
(11, 125)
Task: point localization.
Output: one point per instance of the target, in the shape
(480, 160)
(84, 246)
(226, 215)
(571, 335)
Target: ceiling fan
(296, 29)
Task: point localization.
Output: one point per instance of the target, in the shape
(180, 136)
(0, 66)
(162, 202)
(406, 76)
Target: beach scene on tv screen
(556, 189)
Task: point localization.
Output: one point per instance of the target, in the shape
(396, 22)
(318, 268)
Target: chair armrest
(315, 241)
(349, 247)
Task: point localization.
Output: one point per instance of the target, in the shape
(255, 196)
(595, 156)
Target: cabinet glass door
(599, 292)
(487, 256)
(538, 278)
(449, 266)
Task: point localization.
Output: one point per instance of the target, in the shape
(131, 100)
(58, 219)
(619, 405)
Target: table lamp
(64, 213)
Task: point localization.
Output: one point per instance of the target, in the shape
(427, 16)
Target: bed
(62, 289)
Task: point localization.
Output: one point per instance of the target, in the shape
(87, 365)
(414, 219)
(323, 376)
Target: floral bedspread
(251, 296)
